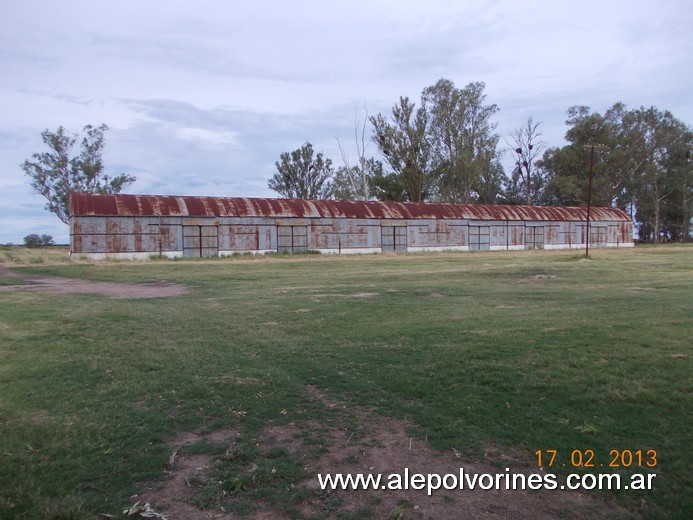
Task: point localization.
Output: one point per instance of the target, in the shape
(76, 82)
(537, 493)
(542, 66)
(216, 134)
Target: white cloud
(208, 138)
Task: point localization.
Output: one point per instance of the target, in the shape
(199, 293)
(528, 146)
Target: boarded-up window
(479, 238)
(200, 241)
(292, 239)
(534, 237)
(394, 238)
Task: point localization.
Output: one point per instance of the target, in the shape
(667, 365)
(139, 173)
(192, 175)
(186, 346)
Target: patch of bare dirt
(57, 285)
(364, 294)
(357, 440)
(380, 445)
(171, 497)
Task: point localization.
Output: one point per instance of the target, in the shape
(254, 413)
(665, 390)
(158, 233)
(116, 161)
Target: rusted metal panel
(458, 234)
(325, 234)
(149, 205)
(428, 233)
(239, 238)
(581, 233)
(89, 226)
(560, 234)
(358, 234)
(169, 238)
(569, 236)
(614, 234)
(552, 234)
(76, 245)
(516, 235)
(497, 235)
(325, 240)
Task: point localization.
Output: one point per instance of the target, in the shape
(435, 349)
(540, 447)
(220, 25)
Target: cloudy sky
(202, 97)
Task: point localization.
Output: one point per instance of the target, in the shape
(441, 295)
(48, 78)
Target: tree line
(447, 149)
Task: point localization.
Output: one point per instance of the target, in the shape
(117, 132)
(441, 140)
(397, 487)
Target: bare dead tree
(527, 145)
(357, 174)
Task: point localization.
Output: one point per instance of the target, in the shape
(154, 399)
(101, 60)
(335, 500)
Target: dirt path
(57, 285)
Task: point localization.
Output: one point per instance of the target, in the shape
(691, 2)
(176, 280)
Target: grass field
(491, 356)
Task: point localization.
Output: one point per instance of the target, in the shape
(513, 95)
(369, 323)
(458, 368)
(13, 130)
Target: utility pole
(686, 219)
(591, 146)
(589, 202)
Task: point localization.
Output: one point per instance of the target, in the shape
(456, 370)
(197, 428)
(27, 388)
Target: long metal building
(142, 226)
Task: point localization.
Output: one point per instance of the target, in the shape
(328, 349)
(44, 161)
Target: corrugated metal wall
(206, 229)
(169, 236)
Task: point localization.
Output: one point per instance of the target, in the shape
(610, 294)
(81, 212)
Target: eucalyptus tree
(463, 140)
(664, 194)
(403, 141)
(58, 172)
(301, 175)
(387, 185)
(488, 188)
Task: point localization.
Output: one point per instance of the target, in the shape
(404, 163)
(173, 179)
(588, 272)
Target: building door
(479, 238)
(200, 241)
(534, 237)
(598, 236)
(292, 239)
(394, 239)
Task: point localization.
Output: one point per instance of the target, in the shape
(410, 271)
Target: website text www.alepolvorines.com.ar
(464, 480)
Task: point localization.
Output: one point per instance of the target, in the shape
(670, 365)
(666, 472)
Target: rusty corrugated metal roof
(90, 204)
